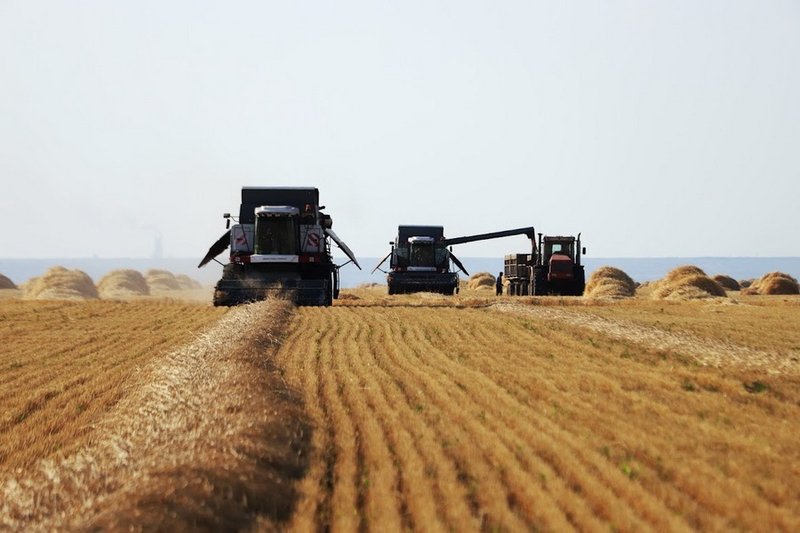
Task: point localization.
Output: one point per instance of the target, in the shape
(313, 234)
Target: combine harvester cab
(279, 245)
(420, 258)
(557, 269)
(420, 262)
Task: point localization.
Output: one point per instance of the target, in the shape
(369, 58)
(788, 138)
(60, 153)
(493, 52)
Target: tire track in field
(448, 431)
(707, 352)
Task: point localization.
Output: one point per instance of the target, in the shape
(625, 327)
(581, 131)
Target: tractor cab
(559, 253)
(558, 246)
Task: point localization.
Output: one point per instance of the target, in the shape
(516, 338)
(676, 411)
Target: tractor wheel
(580, 281)
(538, 285)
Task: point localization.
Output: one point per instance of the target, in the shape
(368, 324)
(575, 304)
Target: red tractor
(555, 269)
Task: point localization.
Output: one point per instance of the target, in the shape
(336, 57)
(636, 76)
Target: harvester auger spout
(281, 244)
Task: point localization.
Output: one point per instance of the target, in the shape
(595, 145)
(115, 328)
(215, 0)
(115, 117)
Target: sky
(659, 128)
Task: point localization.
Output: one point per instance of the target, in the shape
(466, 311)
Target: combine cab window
(401, 253)
(276, 235)
(422, 254)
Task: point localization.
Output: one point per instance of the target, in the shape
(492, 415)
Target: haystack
(162, 280)
(727, 282)
(775, 283)
(687, 282)
(6, 283)
(609, 282)
(187, 283)
(58, 283)
(481, 280)
(122, 284)
(683, 271)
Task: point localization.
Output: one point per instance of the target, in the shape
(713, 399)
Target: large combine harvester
(280, 243)
(556, 269)
(421, 255)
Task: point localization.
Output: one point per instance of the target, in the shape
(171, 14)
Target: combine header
(280, 243)
(420, 258)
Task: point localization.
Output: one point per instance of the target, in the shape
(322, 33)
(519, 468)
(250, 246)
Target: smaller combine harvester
(556, 269)
(420, 258)
(281, 242)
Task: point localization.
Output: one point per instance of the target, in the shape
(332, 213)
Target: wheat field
(465, 419)
(64, 364)
(420, 412)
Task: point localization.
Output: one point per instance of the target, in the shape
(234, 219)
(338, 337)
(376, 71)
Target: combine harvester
(557, 269)
(280, 243)
(420, 258)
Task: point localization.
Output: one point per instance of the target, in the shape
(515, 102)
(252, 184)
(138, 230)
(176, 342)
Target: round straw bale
(123, 283)
(481, 280)
(187, 283)
(608, 281)
(6, 283)
(744, 283)
(687, 282)
(608, 288)
(776, 283)
(58, 283)
(681, 271)
(162, 280)
(727, 282)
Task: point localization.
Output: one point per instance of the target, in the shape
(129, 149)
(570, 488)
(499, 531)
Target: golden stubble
(449, 415)
(205, 436)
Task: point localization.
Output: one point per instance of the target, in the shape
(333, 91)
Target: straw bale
(162, 280)
(58, 283)
(744, 283)
(727, 282)
(187, 283)
(682, 271)
(608, 288)
(609, 282)
(776, 283)
(6, 283)
(123, 283)
(481, 280)
(686, 282)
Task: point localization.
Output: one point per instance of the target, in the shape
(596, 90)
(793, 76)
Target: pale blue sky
(660, 128)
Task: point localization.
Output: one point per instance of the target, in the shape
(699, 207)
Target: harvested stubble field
(468, 413)
(64, 364)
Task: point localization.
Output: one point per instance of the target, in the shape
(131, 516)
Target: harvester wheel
(220, 298)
